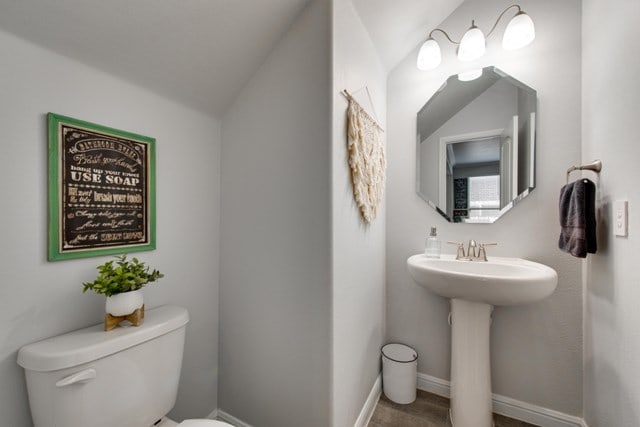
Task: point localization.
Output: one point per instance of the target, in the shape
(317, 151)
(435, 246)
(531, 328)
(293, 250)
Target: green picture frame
(102, 197)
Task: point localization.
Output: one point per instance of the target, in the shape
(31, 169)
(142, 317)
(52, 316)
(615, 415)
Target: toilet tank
(127, 377)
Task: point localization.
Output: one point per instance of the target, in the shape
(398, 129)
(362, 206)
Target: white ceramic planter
(125, 303)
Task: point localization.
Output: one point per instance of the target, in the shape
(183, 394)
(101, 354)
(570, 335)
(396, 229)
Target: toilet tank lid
(92, 343)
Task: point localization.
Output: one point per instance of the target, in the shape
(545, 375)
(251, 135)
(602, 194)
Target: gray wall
(358, 250)
(609, 128)
(537, 348)
(275, 282)
(39, 299)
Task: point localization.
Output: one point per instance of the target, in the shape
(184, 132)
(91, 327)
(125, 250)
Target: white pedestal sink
(474, 288)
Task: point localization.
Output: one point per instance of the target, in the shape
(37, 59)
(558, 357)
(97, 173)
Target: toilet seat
(203, 423)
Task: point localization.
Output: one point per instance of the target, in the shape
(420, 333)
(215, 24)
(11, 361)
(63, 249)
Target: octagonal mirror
(476, 146)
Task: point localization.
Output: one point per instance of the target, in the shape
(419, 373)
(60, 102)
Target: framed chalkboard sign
(101, 190)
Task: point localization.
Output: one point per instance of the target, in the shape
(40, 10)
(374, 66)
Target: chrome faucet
(471, 249)
(471, 254)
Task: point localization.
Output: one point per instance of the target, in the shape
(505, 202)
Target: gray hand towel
(578, 218)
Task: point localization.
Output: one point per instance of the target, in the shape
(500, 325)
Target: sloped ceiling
(198, 52)
(396, 27)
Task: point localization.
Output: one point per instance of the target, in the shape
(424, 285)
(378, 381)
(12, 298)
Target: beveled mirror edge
(502, 212)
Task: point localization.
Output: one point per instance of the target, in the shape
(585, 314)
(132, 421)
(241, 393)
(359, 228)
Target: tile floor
(429, 410)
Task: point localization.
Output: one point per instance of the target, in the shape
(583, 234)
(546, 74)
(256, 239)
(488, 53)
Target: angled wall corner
(610, 108)
(275, 281)
(358, 249)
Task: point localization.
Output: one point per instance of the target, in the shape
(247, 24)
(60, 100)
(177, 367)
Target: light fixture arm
(501, 15)
(445, 34)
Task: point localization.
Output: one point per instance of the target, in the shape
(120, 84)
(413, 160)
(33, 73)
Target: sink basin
(475, 287)
(499, 281)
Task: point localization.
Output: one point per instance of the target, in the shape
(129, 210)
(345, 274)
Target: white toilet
(127, 377)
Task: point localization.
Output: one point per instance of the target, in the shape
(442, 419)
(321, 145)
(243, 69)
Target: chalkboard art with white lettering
(101, 190)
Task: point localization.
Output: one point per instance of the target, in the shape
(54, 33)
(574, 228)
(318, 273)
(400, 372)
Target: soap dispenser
(432, 245)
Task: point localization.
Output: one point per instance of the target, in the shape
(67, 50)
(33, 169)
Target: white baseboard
(222, 415)
(434, 385)
(509, 407)
(370, 404)
(501, 405)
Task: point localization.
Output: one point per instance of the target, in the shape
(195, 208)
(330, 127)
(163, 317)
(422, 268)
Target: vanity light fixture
(519, 33)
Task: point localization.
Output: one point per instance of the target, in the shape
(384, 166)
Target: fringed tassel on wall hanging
(367, 162)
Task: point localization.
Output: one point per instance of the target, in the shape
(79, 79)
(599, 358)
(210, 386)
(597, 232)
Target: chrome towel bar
(595, 166)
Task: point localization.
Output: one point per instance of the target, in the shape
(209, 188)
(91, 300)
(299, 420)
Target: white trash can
(399, 373)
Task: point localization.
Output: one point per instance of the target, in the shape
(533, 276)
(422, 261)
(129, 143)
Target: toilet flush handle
(78, 377)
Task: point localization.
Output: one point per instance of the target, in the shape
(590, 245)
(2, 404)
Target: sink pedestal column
(471, 404)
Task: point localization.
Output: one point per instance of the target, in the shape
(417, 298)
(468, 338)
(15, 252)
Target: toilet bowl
(127, 377)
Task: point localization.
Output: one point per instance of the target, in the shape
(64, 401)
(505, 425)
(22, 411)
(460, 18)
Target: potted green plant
(121, 281)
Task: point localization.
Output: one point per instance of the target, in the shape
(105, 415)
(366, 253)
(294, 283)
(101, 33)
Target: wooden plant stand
(135, 318)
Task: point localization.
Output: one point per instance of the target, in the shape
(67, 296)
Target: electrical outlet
(620, 215)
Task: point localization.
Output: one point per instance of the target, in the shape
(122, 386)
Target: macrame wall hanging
(366, 158)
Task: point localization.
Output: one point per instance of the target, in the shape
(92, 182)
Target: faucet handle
(482, 253)
(482, 245)
(460, 253)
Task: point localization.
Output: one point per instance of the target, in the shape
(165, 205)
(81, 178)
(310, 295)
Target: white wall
(358, 249)
(275, 284)
(39, 299)
(536, 349)
(610, 107)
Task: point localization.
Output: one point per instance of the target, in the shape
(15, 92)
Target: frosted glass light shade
(472, 45)
(470, 75)
(519, 32)
(429, 56)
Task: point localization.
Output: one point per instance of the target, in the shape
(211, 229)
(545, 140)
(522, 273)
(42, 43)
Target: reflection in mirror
(476, 146)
